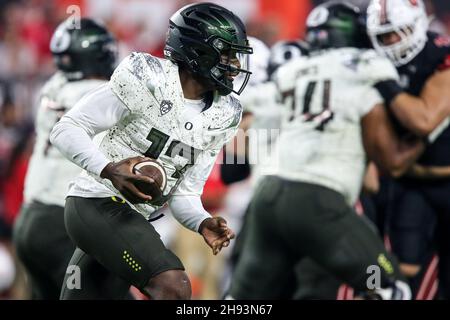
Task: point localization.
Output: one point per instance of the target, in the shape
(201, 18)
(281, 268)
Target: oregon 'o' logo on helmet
(317, 17)
(60, 41)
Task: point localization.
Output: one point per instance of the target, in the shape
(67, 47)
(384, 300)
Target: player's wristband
(438, 130)
(388, 89)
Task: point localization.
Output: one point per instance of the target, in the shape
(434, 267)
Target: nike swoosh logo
(214, 129)
(221, 128)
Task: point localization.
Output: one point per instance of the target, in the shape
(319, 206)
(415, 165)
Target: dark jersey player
(419, 202)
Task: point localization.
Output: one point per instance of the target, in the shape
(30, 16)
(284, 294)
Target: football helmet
(211, 42)
(406, 18)
(83, 50)
(336, 24)
(283, 51)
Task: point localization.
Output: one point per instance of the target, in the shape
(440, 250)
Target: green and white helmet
(82, 51)
(207, 39)
(336, 24)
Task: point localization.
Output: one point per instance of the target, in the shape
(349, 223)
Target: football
(154, 170)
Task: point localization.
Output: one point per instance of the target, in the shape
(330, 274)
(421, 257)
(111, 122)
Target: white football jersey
(49, 172)
(158, 126)
(261, 101)
(325, 96)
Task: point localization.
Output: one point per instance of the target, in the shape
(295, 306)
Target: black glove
(388, 89)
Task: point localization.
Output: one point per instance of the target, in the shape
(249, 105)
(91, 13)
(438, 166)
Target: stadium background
(139, 25)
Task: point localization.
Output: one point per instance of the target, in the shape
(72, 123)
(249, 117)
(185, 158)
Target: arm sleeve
(188, 210)
(368, 100)
(185, 203)
(94, 113)
(376, 68)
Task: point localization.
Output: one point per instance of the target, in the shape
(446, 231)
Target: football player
(177, 110)
(85, 58)
(236, 167)
(419, 201)
(260, 102)
(263, 114)
(334, 121)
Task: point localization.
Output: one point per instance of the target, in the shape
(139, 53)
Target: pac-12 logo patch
(165, 107)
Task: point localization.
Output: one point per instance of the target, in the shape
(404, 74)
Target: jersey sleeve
(258, 96)
(373, 68)
(376, 68)
(249, 99)
(94, 113)
(185, 203)
(285, 77)
(368, 98)
(189, 211)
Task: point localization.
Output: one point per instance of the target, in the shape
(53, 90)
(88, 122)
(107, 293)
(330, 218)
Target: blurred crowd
(139, 25)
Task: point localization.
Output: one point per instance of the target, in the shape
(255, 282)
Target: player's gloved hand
(122, 177)
(388, 89)
(216, 233)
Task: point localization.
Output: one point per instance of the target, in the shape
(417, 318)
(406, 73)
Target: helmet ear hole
(65, 60)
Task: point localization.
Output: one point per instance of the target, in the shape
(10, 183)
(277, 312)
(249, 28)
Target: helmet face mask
(233, 63)
(404, 18)
(402, 51)
(211, 42)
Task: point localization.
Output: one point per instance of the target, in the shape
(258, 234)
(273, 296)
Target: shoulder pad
(236, 112)
(377, 68)
(439, 46)
(229, 113)
(286, 74)
(137, 74)
(143, 64)
(52, 87)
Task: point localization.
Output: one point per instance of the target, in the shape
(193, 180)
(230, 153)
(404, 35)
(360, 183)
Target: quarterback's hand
(122, 177)
(216, 233)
